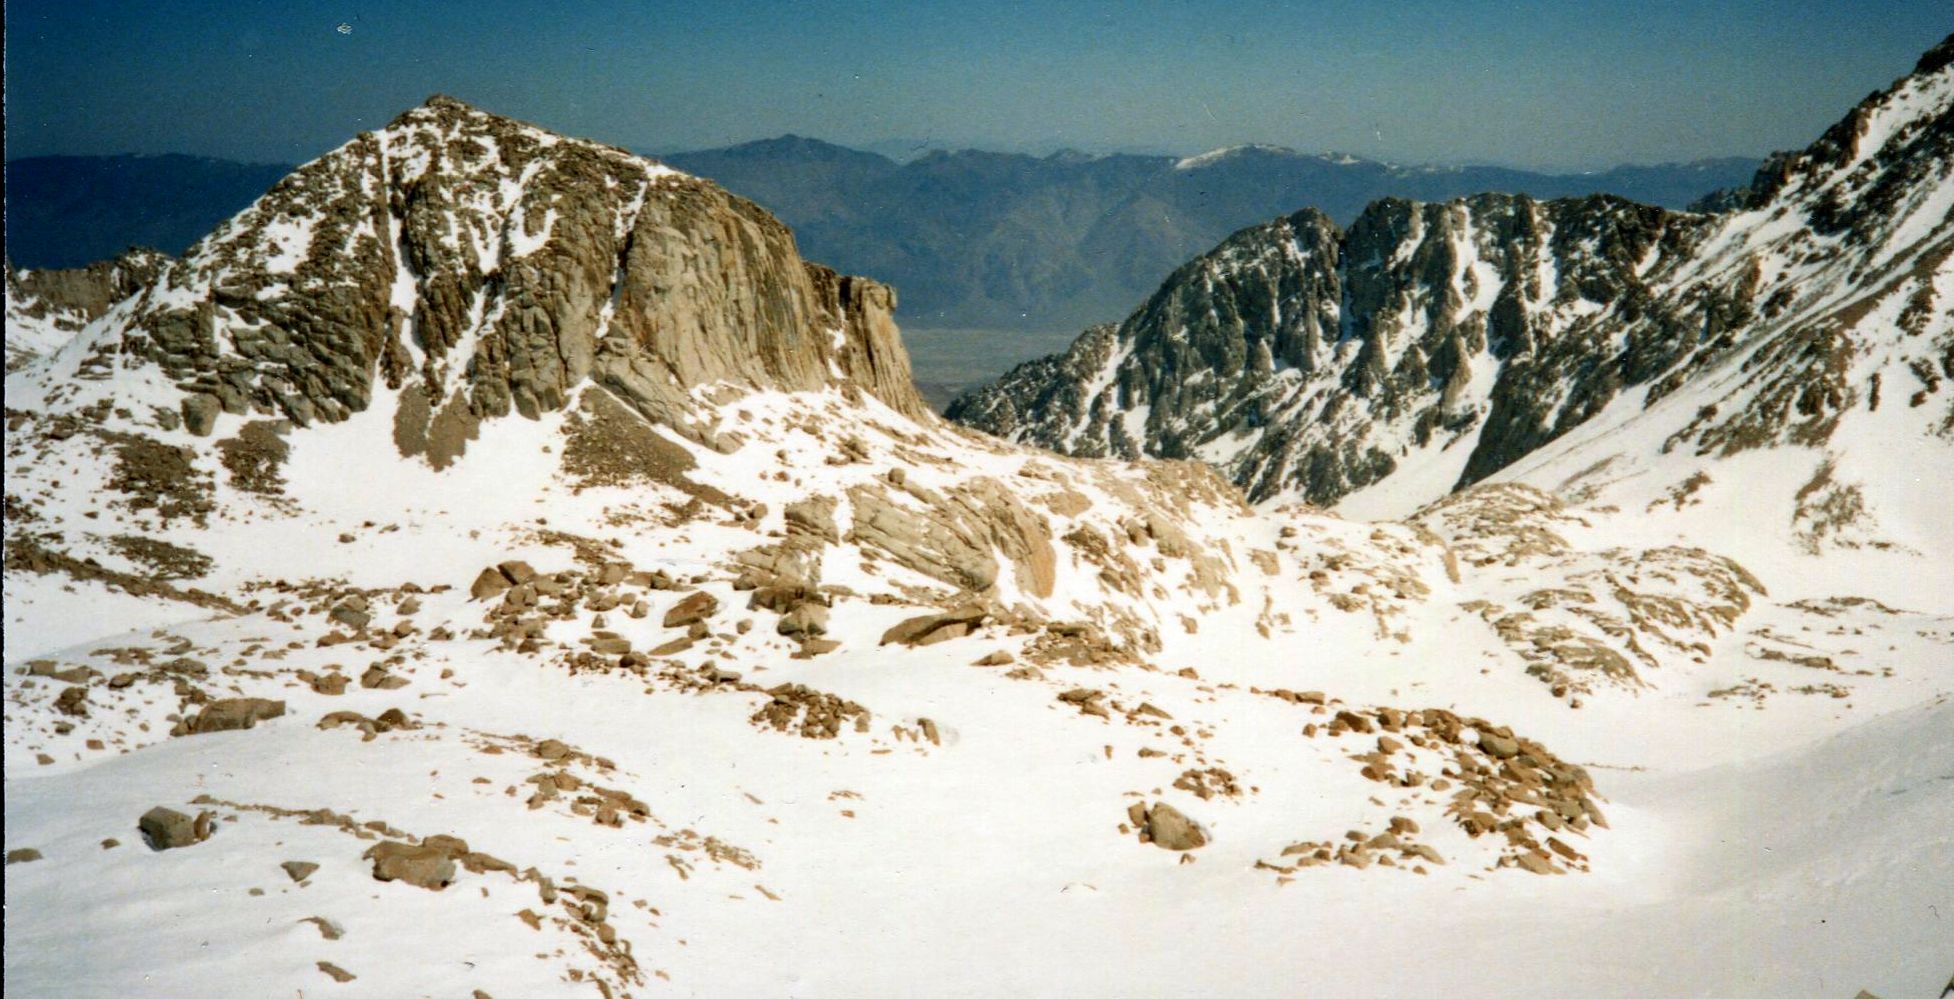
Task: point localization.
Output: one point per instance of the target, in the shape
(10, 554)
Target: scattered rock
(299, 870)
(327, 928)
(338, 973)
(824, 713)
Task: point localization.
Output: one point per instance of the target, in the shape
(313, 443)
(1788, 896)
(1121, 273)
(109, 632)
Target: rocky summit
(1433, 345)
(495, 564)
(468, 266)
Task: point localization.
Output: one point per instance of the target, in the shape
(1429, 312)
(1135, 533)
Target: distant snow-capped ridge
(1214, 156)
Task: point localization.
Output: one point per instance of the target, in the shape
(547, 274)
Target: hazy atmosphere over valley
(1077, 499)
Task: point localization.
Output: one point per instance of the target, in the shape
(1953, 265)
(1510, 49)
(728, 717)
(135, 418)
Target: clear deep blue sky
(1562, 84)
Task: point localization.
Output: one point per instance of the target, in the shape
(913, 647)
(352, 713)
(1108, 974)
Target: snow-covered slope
(593, 604)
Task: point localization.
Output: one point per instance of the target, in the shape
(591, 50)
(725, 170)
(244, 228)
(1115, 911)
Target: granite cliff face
(1449, 340)
(475, 266)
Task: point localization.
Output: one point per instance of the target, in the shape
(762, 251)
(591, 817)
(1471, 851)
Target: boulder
(1499, 746)
(168, 829)
(299, 870)
(517, 572)
(422, 866)
(73, 701)
(932, 628)
(489, 583)
(1168, 829)
(232, 714)
(809, 619)
(24, 855)
(200, 414)
(693, 609)
(376, 677)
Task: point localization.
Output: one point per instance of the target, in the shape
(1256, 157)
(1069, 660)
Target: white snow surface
(1783, 845)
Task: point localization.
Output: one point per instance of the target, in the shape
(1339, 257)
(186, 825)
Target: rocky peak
(1448, 340)
(471, 265)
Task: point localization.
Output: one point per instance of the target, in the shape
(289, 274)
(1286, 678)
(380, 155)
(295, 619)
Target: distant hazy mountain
(968, 238)
(987, 239)
(68, 211)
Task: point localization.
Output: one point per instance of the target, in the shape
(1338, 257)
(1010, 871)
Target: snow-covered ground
(1762, 843)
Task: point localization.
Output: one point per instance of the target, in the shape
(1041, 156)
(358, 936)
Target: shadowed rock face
(1308, 361)
(492, 267)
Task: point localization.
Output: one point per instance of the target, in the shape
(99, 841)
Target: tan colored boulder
(1168, 829)
(808, 618)
(929, 629)
(232, 714)
(1499, 746)
(693, 609)
(421, 866)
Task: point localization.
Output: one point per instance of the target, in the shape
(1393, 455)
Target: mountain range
(998, 240)
(974, 239)
(495, 563)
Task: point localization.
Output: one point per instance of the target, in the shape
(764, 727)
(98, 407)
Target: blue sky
(1572, 84)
